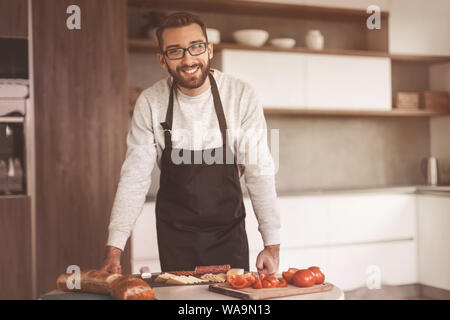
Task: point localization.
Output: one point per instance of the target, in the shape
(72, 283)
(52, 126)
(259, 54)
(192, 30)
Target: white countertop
(417, 189)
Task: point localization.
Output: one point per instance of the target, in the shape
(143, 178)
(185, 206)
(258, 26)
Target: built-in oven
(13, 157)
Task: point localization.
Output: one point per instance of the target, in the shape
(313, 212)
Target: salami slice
(212, 269)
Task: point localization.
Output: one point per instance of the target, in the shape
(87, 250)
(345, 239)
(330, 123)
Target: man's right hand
(111, 263)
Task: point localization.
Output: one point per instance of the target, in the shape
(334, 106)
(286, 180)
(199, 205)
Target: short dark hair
(178, 19)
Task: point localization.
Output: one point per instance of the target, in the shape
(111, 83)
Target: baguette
(131, 288)
(93, 281)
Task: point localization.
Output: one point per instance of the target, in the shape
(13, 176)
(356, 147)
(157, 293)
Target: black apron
(200, 213)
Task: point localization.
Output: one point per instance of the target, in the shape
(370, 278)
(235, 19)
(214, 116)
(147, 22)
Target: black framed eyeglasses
(178, 53)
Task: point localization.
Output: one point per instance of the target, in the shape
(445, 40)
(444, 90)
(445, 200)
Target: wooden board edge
(236, 293)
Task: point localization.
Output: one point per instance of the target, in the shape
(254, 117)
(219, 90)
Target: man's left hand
(268, 260)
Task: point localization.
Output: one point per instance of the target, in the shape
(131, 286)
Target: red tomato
(282, 283)
(272, 279)
(304, 278)
(268, 284)
(239, 282)
(287, 275)
(257, 284)
(320, 277)
(251, 278)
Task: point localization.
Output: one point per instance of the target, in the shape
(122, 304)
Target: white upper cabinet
(348, 82)
(277, 77)
(313, 81)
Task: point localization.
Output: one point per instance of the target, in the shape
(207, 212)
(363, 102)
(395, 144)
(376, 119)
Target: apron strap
(219, 111)
(167, 124)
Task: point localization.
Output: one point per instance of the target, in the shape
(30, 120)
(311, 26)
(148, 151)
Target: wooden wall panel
(81, 126)
(15, 247)
(14, 18)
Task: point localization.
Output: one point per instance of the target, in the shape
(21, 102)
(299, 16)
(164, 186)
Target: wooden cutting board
(259, 294)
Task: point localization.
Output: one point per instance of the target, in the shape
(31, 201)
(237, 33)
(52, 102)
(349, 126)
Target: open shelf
(256, 8)
(419, 58)
(144, 45)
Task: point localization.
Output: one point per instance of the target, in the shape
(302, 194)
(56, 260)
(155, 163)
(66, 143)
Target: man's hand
(111, 263)
(268, 260)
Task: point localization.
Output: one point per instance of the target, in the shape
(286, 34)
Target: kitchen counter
(418, 189)
(193, 292)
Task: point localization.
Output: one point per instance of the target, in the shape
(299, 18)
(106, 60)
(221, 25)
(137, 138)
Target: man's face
(190, 71)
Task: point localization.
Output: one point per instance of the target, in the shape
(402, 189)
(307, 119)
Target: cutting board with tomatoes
(267, 293)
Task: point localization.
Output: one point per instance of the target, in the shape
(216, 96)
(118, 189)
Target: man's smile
(190, 70)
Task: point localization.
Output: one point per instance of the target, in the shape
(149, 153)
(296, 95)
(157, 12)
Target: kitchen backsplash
(333, 152)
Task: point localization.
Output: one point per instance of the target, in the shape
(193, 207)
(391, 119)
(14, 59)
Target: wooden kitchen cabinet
(14, 18)
(81, 123)
(342, 79)
(15, 247)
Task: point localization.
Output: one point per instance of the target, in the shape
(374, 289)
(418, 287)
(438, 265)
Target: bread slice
(178, 280)
(220, 277)
(164, 277)
(235, 272)
(196, 280)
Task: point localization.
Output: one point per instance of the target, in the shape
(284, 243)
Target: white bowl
(213, 35)
(251, 37)
(283, 42)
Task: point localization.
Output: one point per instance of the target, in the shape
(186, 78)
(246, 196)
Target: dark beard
(192, 82)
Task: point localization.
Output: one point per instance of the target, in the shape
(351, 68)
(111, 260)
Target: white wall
(419, 27)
